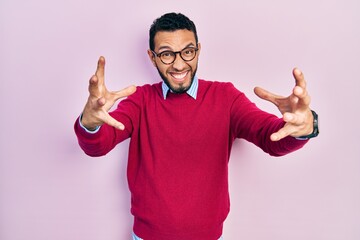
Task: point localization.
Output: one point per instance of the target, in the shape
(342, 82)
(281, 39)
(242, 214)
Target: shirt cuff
(87, 130)
(302, 138)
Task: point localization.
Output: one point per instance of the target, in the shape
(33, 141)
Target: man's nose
(179, 63)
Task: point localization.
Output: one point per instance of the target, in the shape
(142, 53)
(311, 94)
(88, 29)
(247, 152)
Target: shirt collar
(192, 91)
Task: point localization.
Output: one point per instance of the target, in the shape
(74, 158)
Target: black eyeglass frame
(175, 54)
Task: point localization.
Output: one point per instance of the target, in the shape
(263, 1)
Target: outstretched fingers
(300, 90)
(114, 97)
(266, 95)
(123, 93)
(299, 78)
(292, 120)
(117, 95)
(100, 70)
(295, 108)
(112, 122)
(282, 133)
(94, 86)
(295, 125)
(101, 100)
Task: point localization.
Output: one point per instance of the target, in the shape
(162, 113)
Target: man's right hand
(101, 100)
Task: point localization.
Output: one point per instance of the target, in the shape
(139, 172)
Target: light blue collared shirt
(192, 91)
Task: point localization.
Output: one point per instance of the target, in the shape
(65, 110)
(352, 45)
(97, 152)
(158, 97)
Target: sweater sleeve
(104, 140)
(256, 126)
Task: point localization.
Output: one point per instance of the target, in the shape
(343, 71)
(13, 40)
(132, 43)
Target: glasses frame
(175, 54)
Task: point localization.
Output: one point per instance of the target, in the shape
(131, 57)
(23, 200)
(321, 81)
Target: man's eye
(166, 54)
(188, 51)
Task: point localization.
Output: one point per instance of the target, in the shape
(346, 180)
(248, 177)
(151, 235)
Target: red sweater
(178, 155)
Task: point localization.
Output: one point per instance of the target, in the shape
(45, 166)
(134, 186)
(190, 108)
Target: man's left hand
(294, 108)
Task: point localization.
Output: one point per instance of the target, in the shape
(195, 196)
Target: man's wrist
(315, 132)
(89, 130)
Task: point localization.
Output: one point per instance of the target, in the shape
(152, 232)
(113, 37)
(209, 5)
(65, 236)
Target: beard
(181, 88)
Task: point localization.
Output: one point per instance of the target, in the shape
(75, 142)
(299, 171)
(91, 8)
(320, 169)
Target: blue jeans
(137, 238)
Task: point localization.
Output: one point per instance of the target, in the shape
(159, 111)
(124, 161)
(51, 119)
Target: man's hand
(294, 108)
(101, 100)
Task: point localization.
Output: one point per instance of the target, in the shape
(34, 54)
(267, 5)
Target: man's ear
(152, 57)
(199, 47)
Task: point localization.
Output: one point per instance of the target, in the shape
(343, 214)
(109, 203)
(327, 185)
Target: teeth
(179, 76)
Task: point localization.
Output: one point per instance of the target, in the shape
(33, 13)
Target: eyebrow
(169, 48)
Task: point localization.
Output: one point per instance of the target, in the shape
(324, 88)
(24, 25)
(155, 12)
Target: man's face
(178, 75)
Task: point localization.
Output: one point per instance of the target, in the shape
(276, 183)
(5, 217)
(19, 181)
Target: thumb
(264, 94)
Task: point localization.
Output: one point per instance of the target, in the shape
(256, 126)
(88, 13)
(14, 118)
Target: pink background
(49, 189)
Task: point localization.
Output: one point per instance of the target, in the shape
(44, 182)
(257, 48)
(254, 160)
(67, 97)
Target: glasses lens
(167, 57)
(188, 54)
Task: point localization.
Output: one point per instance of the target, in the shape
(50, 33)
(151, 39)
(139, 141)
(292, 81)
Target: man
(181, 131)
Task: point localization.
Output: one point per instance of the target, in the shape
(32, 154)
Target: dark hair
(171, 22)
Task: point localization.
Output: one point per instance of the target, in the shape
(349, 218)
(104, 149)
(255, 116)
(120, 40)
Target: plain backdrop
(49, 189)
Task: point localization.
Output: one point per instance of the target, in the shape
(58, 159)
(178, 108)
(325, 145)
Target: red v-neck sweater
(178, 155)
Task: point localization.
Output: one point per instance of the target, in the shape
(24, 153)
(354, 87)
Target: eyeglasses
(168, 57)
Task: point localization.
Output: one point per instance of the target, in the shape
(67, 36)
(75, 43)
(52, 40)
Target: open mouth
(179, 77)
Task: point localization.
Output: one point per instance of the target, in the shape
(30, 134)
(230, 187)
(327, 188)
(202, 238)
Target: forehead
(175, 40)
